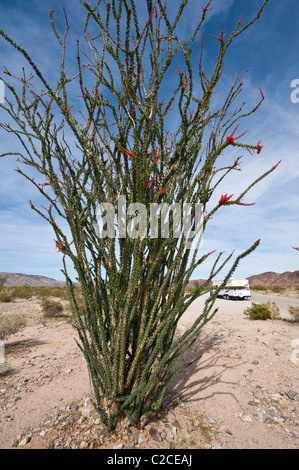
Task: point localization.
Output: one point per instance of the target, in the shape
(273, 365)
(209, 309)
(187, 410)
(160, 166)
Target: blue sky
(269, 49)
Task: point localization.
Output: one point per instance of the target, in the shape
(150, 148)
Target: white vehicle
(243, 291)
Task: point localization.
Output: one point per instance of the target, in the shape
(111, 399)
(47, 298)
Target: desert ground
(242, 393)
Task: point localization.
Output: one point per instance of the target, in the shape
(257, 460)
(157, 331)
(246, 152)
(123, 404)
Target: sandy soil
(243, 393)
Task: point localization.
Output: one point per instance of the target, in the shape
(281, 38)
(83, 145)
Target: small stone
(141, 438)
(24, 441)
(118, 446)
(169, 435)
(268, 420)
(74, 409)
(154, 434)
(252, 403)
(69, 371)
(246, 418)
(255, 440)
(83, 445)
(86, 411)
(43, 433)
(291, 394)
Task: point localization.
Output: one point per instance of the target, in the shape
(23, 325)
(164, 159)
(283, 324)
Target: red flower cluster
(223, 201)
(230, 140)
(206, 8)
(153, 13)
(259, 147)
(220, 38)
(127, 152)
(60, 245)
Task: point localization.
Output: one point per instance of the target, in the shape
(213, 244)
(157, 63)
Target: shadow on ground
(205, 373)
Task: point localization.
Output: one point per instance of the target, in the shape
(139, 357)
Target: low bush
(44, 292)
(10, 324)
(294, 311)
(259, 287)
(51, 308)
(5, 296)
(268, 311)
(277, 289)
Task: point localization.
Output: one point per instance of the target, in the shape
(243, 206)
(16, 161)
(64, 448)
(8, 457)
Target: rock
(43, 433)
(74, 409)
(83, 445)
(118, 446)
(141, 438)
(291, 394)
(69, 371)
(268, 420)
(154, 434)
(245, 418)
(24, 441)
(103, 433)
(86, 411)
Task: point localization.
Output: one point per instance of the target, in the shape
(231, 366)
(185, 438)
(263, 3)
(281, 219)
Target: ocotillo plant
(124, 143)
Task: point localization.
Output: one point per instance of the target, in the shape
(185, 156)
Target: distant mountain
(271, 279)
(265, 279)
(19, 279)
(195, 283)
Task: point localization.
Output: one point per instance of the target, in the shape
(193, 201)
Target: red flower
(153, 13)
(275, 166)
(221, 38)
(230, 140)
(127, 152)
(148, 185)
(245, 204)
(60, 246)
(206, 8)
(223, 201)
(259, 147)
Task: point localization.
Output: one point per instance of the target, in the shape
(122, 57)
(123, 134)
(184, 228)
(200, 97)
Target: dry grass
(10, 324)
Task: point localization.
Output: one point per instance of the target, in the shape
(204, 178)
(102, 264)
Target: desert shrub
(260, 287)
(5, 296)
(294, 311)
(277, 289)
(51, 308)
(4, 368)
(10, 324)
(22, 292)
(274, 309)
(268, 311)
(2, 281)
(44, 292)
